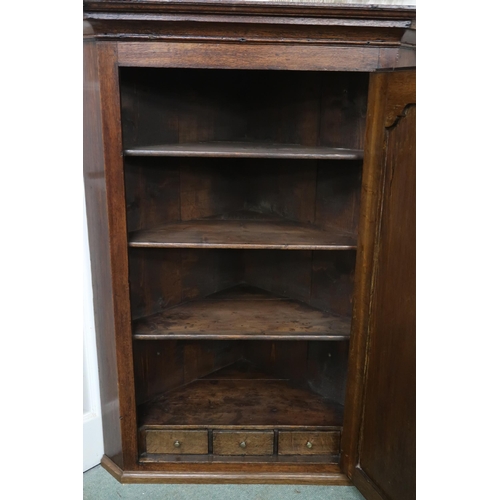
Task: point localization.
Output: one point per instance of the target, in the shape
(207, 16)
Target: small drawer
(243, 442)
(176, 442)
(308, 443)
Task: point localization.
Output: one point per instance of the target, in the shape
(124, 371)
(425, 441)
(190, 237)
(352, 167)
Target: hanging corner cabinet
(250, 188)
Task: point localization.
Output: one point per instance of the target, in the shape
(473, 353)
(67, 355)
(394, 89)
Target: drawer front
(243, 442)
(177, 442)
(309, 443)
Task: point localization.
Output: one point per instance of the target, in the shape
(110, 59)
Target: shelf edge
(242, 246)
(189, 154)
(181, 336)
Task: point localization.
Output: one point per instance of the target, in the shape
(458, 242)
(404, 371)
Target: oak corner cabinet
(250, 188)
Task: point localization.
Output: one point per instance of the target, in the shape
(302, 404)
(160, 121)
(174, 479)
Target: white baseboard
(92, 440)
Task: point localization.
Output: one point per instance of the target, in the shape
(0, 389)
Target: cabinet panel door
(378, 452)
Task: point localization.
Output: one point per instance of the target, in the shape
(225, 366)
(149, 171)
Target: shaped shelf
(243, 230)
(243, 312)
(239, 396)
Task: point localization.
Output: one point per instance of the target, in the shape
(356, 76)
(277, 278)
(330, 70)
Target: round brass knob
(309, 444)
(177, 444)
(243, 444)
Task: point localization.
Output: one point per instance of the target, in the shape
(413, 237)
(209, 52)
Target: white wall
(93, 448)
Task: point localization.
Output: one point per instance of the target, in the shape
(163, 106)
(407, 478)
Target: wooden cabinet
(250, 185)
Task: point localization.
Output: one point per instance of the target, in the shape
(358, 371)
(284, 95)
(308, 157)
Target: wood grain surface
(245, 234)
(99, 244)
(230, 473)
(246, 150)
(388, 447)
(378, 445)
(243, 312)
(256, 403)
(180, 108)
(321, 443)
(236, 56)
(255, 442)
(164, 441)
(184, 130)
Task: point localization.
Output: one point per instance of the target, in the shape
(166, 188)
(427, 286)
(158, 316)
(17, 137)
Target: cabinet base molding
(333, 477)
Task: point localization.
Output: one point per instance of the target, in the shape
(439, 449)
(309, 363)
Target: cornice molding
(252, 7)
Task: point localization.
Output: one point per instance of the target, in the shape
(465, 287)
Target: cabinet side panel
(371, 198)
(387, 448)
(97, 216)
(118, 246)
(378, 445)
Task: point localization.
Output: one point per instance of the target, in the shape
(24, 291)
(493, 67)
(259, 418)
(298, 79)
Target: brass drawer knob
(243, 444)
(309, 444)
(177, 444)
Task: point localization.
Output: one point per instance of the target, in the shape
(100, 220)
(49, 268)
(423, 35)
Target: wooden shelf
(243, 230)
(243, 312)
(246, 150)
(238, 398)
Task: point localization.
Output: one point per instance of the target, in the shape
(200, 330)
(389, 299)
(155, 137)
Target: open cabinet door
(378, 447)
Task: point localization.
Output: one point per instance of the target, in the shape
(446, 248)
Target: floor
(99, 485)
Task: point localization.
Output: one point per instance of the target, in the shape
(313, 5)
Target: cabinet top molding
(255, 7)
(247, 33)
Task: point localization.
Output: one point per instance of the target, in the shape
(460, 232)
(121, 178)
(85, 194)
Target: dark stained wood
(354, 14)
(315, 111)
(229, 232)
(332, 281)
(239, 403)
(387, 449)
(241, 370)
(266, 316)
(338, 191)
(324, 280)
(165, 441)
(246, 150)
(228, 473)
(401, 85)
(370, 209)
(296, 443)
(209, 188)
(378, 448)
(367, 487)
(271, 57)
(166, 29)
(156, 280)
(153, 85)
(217, 269)
(243, 442)
(319, 364)
(115, 196)
(322, 195)
(326, 370)
(162, 278)
(99, 242)
(167, 365)
(153, 194)
(157, 458)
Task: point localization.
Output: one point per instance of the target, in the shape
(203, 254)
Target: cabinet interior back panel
(318, 367)
(163, 278)
(178, 106)
(323, 193)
